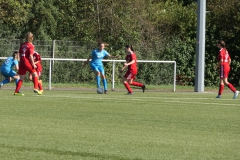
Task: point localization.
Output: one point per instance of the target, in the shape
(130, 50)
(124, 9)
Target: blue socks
(5, 81)
(105, 84)
(98, 79)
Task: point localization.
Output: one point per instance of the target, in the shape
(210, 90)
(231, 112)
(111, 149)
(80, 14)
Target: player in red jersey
(27, 64)
(224, 62)
(130, 76)
(37, 61)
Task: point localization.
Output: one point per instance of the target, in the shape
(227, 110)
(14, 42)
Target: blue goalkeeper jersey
(97, 57)
(8, 64)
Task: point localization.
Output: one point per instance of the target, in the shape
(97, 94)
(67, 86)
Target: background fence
(63, 60)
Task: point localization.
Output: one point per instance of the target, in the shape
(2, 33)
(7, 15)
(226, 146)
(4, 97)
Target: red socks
(40, 86)
(221, 88)
(19, 85)
(128, 87)
(230, 86)
(134, 84)
(137, 84)
(35, 82)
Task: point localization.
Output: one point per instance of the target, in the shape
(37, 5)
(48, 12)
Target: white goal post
(113, 68)
(51, 60)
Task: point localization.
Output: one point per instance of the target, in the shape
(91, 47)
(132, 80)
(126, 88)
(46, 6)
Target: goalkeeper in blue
(7, 69)
(97, 66)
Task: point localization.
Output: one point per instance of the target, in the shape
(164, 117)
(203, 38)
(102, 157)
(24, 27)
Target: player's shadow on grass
(72, 153)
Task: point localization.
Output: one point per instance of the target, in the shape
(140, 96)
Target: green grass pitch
(80, 124)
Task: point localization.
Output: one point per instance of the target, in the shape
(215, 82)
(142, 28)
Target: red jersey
(37, 57)
(224, 57)
(26, 49)
(129, 58)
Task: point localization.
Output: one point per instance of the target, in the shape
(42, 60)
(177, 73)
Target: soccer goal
(163, 73)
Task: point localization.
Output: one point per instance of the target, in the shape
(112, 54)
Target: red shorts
(24, 68)
(224, 71)
(130, 75)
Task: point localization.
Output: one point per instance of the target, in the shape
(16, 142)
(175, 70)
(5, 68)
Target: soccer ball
(100, 90)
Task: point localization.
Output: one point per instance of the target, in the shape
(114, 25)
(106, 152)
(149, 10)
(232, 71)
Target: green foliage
(222, 23)
(158, 30)
(184, 54)
(13, 16)
(43, 23)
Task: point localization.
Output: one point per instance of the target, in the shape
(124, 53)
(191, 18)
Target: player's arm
(32, 61)
(37, 62)
(134, 59)
(123, 68)
(111, 56)
(31, 57)
(106, 54)
(86, 62)
(128, 64)
(219, 63)
(38, 59)
(17, 66)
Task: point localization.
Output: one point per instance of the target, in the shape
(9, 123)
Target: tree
(223, 23)
(13, 17)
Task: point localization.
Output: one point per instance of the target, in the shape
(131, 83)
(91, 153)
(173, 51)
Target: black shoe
(129, 93)
(143, 88)
(105, 92)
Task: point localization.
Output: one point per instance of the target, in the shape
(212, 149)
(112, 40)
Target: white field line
(121, 97)
(220, 104)
(152, 99)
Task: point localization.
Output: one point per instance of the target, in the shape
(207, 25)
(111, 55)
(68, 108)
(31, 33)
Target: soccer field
(80, 124)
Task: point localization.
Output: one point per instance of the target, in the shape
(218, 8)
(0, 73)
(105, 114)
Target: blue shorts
(8, 74)
(97, 68)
